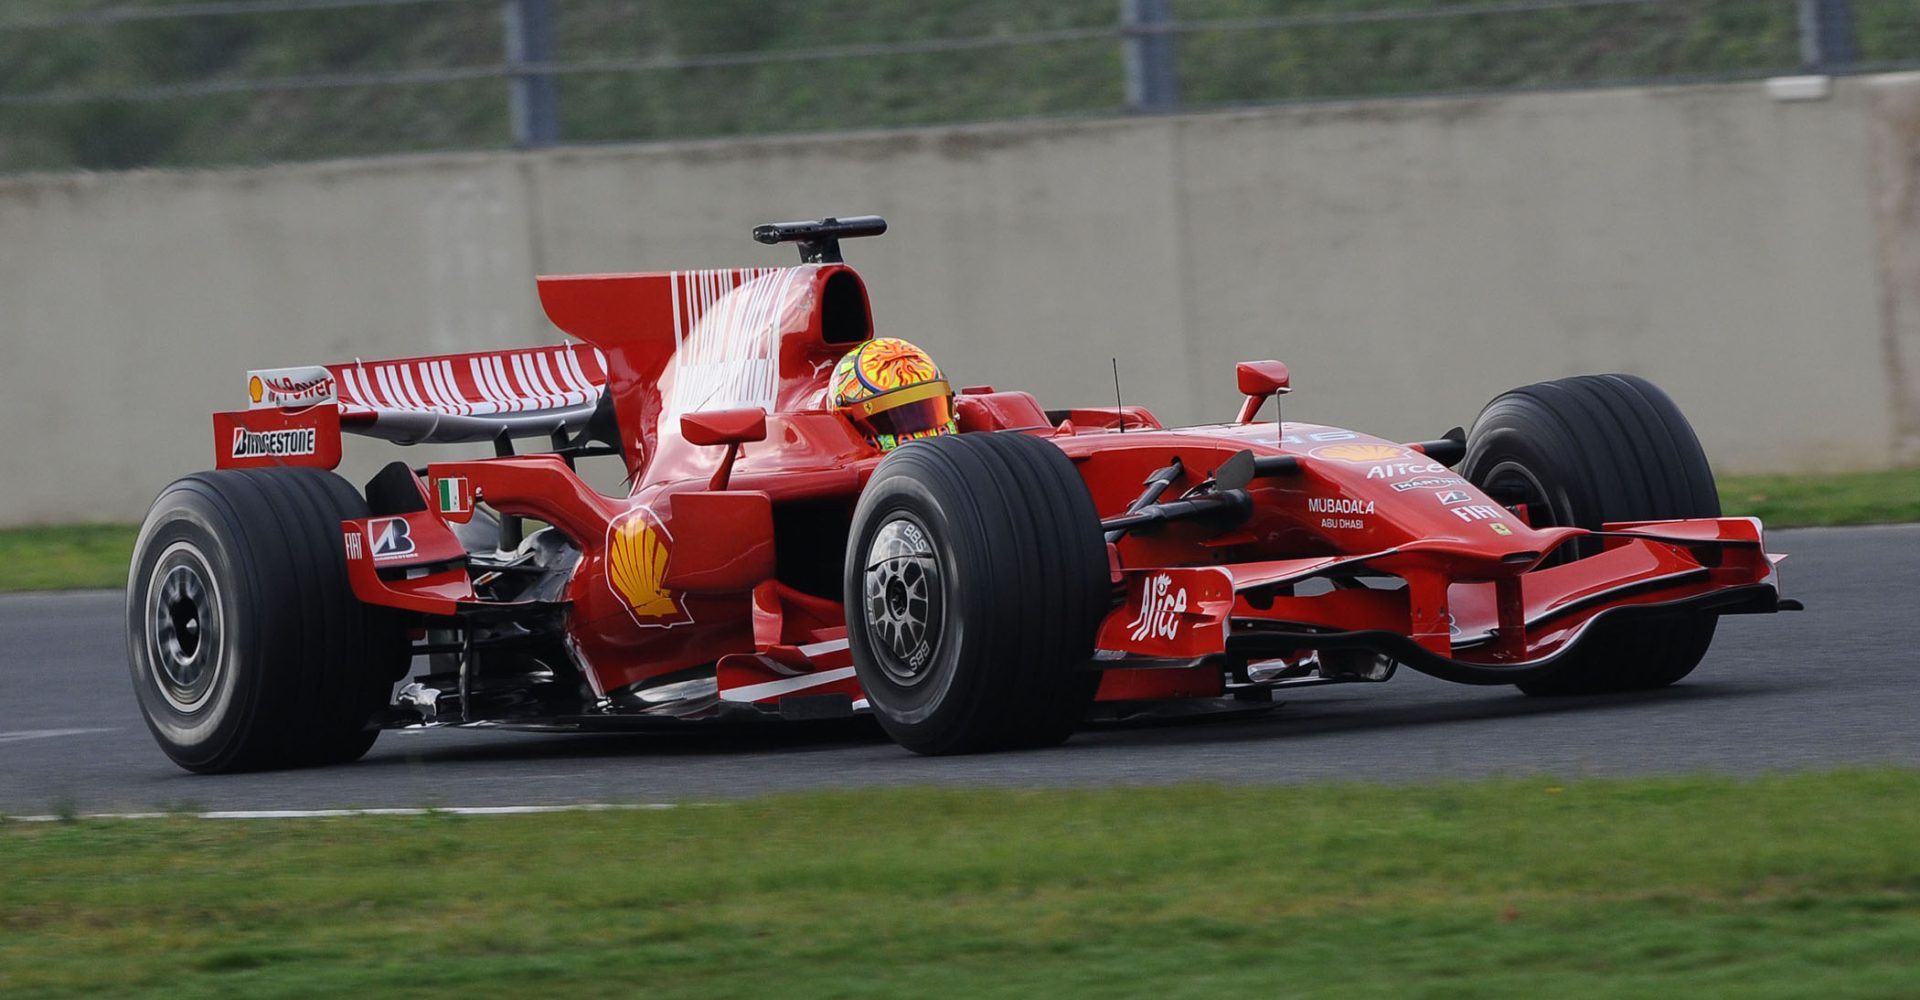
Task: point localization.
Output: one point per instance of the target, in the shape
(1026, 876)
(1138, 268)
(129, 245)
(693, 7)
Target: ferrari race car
(981, 587)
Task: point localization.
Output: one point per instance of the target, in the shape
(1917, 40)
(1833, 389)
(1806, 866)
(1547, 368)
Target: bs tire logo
(392, 537)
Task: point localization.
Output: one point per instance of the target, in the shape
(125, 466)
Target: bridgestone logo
(271, 444)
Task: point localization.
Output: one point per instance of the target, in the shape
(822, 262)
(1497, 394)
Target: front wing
(1436, 609)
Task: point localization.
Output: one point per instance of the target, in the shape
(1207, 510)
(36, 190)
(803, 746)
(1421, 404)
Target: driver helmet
(893, 393)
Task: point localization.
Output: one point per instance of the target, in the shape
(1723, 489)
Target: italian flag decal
(456, 495)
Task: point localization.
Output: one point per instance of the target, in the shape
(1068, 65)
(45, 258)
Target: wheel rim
(901, 584)
(185, 641)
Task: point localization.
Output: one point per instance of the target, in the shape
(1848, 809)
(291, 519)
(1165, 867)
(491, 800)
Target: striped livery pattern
(726, 336)
(519, 381)
(721, 332)
(528, 380)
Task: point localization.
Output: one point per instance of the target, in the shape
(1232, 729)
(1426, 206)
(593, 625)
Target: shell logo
(255, 389)
(1359, 452)
(637, 570)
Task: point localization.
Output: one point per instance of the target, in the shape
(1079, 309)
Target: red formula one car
(978, 581)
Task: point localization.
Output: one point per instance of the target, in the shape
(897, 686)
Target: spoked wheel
(976, 577)
(1582, 452)
(903, 605)
(186, 645)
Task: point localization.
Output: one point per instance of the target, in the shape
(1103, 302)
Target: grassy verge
(1842, 498)
(1777, 887)
(95, 555)
(65, 557)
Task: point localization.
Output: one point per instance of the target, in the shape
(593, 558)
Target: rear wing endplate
(295, 416)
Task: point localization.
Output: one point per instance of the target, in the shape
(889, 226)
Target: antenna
(1119, 413)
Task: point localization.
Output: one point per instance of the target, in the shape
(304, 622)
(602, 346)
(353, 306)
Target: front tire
(1588, 450)
(247, 647)
(976, 577)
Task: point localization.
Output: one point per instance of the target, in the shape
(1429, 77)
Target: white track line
(45, 734)
(337, 813)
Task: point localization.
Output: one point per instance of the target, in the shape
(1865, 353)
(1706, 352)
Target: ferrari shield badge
(637, 570)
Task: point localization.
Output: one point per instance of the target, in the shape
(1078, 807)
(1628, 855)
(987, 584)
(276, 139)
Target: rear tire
(1588, 450)
(247, 646)
(976, 577)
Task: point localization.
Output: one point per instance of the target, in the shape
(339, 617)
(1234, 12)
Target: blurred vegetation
(1840, 498)
(1301, 59)
(66, 557)
(1777, 887)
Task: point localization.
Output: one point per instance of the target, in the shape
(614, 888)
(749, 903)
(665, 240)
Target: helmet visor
(906, 413)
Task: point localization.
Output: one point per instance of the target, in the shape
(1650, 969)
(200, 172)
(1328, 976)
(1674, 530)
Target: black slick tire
(247, 647)
(1587, 450)
(975, 579)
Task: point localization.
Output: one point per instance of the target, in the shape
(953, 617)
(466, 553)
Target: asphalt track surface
(1833, 686)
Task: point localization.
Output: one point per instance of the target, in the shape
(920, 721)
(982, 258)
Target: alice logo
(637, 570)
(1160, 609)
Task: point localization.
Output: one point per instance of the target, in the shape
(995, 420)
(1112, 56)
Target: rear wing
(295, 416)
(660, 345)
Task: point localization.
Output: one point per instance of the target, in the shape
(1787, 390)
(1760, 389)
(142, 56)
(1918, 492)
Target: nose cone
(1411, 502)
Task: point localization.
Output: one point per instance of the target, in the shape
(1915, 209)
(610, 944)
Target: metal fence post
(533, 101)
(1151, 82)
(1827, 38)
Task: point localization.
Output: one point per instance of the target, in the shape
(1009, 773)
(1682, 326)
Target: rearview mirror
(1262, 378)
(725, 426)
(732, 428)
(1258, 380)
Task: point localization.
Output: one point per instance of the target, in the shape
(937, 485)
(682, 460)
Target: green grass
(1841, 498)
(96, 555)
(65, 557)
(1777, 887)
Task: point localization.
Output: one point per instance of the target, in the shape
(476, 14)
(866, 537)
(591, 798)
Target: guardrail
(573, 69)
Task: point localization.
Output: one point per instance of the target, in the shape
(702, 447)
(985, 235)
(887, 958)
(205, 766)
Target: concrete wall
(1409, 260)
